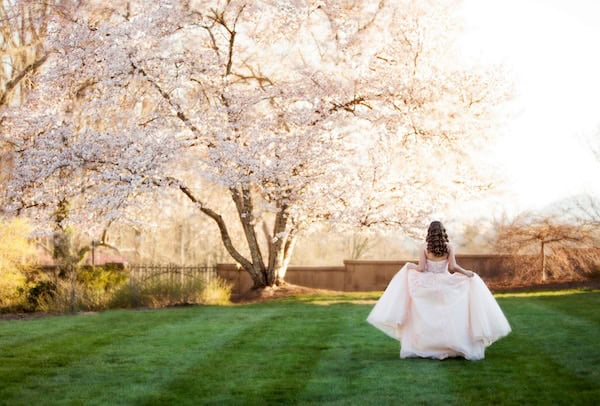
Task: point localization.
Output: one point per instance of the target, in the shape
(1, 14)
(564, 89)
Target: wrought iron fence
(171, 272)
(168, 284)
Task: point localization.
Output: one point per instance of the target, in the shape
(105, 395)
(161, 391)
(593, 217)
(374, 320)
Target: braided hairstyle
(437, 239)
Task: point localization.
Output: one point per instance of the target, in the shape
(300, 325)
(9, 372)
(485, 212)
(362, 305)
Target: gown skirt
(436, 314)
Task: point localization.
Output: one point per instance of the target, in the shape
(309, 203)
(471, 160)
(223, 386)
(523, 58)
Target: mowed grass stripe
(169, 352)
(335, 378)
(269, 363)
(142, 350)
(363, 366)
(566, 331)
(570, 340)
(298, 351)
(583, 305)
(536, 364)
(27, 367)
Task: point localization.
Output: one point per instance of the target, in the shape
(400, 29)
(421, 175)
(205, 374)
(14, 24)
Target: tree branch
(15, 81)
(178, 110)
(221, 224)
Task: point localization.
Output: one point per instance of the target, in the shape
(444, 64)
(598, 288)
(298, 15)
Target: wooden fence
(365, 275)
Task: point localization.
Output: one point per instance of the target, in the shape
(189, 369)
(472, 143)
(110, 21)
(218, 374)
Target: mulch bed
(275, 292)
(263, 295)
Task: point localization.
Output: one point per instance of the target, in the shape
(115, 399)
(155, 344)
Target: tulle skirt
(439, 315)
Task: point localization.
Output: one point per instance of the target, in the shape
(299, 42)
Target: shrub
(96, 285)
(17, 258)
(41, 293)
(217, 291)
(92, 288)
(158, 292)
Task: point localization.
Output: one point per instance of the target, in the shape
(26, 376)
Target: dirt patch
(276, 292)
(24, 316)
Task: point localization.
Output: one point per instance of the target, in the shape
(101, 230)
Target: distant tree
(595, 143)
(527, 234)
(302, 112)
(589, 206)
(23, 28)
(360, 245)
(475, 238)
(585, 211)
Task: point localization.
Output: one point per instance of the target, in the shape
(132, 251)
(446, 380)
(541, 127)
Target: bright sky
(553, 48)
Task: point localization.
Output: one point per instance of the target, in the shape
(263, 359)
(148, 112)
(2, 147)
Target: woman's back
(437, 266)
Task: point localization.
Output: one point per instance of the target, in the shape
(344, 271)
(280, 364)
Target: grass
(310, 349)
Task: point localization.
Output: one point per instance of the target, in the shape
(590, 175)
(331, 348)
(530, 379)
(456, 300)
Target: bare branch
(220, 223)
(10, 85)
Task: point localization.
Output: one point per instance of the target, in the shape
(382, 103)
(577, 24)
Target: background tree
(570, 245)
(23, 28)
(302, 112)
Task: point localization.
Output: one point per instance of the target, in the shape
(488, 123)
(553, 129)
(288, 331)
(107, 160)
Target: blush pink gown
(436, 314)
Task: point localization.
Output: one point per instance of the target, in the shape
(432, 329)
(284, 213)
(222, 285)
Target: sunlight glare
(551, 47)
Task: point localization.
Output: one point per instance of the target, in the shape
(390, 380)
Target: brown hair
(437, 239)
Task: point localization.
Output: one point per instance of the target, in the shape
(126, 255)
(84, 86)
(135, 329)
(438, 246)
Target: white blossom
(353, 113)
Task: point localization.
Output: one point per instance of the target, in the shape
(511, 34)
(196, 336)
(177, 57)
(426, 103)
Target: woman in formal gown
(435, 313)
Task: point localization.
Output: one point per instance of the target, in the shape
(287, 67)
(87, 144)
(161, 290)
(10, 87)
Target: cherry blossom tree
(22, 30)
(355, 113)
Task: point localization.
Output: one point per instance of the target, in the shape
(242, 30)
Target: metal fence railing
(161, 285)
(174, 274)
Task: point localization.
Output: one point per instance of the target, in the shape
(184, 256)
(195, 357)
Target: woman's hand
(470, 274)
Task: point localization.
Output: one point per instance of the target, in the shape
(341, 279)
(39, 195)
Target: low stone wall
(364, 275)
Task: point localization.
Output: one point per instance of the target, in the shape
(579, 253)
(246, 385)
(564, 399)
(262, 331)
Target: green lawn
(304, 350)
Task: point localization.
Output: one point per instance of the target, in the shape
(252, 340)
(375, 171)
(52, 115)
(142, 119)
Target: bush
(92, 288)
(158, 292)
(216, 292)
(97, 285)
(110, 286)
(17, 257)
(41, 293)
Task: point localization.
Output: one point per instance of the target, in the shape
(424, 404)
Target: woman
(435, 313)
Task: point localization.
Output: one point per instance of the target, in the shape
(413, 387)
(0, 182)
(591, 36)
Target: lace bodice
(437, 266)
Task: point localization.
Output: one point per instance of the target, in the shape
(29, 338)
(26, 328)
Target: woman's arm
(422, 261)
(454, 267)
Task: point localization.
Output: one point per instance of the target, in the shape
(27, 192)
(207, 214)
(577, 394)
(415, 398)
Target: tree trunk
(287, 255)
(543, 255)
(280, 244)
